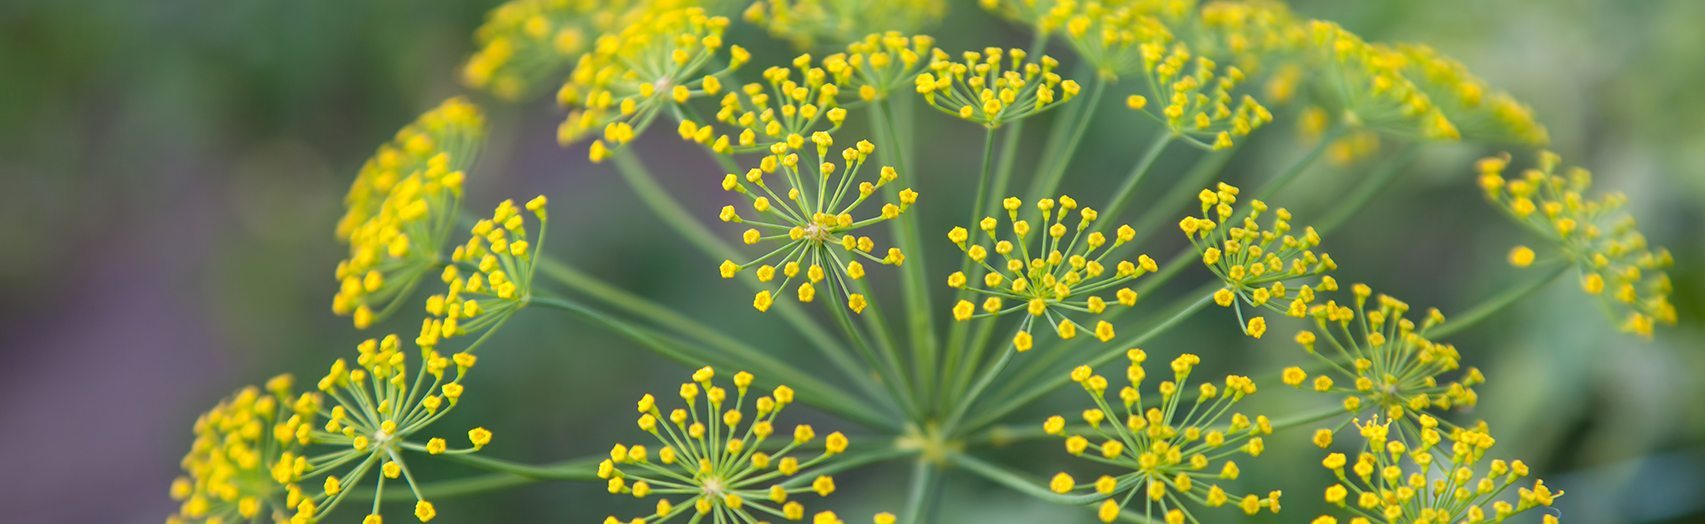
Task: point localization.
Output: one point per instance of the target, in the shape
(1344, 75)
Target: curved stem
(1049, 180)
(1497, 303)
(812, 391)
(1371, 185)
(1123, 195)
(1285, 177)
(1015, 481)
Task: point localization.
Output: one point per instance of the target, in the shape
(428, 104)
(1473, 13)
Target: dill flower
(1111, 37)
(1367, 86)
(525, 42)
(1198, 101)
(1478, 110)
(1254, 35)
(499, 265)
(1039, 15)
(1257, 265)
(1413, 478)
(228, 470)
(708, 465)
(1383, 362)
(376, 408)
(1170, 454)
(1611, 255)
(1052, 280)
(764, 115)
(807, 23)
(657, 62)
(813, 224)
(878, 64)
(994, 86)
(400, 209)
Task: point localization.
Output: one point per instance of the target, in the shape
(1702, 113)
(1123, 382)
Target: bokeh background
(170, 172)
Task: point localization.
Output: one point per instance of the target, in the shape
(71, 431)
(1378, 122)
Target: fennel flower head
(811, 222)
(525, 43)
(401, 209)
(1198, 104)
(1383, 362)
(811, 23)
(1258, 264)
(994, 86)
(228, 470)
(1067, 269)
(706, 463)
(656, 63)
(1431, 476)
(1365, 85)
(375, 411)
(490, 276)
(880, 64)
(1172, 452)
(764, 114)
(1615, 264)
(1112, 37)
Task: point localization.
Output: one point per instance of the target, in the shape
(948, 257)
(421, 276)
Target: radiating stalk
(918, 315)
(1122, 196)
(1054, 166)
(1499, 302)
(959, 330)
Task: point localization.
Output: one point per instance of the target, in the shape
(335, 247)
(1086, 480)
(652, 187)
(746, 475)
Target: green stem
(581, 469)
(812, 392)
(1188, 305)
(1151, 221)
(1049, 180)
(1346, 207)
(1497, 303)
(887, 365)
(577, 469)
(959, 330)
(1017, 482)
(972, 395)
(1285, 177)
(1138, 170)
(922, 490)
(919, 315)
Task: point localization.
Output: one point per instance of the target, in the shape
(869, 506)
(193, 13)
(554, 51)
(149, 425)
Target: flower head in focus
(1172, 452)
(706, 463)
(811, 220)
(993, 87)
(1594, 234)
(1061, 271)
(657, 62)
(810, 23)
(401, 208)
(524, 43)
(228, 470)
(375, 410)
(1478, 110)
(490, 276)
(764, 114)
(1430, 476)
(1198, 104)
(1258, 265)
(1254, 35)
(1382, 361)
(879, 64)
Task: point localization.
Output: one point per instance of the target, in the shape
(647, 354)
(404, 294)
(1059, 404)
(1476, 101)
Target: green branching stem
(957, 333)
(1077, 123)
(914, 286)
(1272, 187)
(1500, 301)
(1122, 196)
(1388, 169)
(812, 391)
(505, 475)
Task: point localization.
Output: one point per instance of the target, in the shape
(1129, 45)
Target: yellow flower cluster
(1052, 280)
(1478, 110)
(524, 43)
(1413, 478)
(1037, 14)
(710, 466)
(377, 405)
(1602, 241)
(1111, 36)
(878, 64)
(499, 263)
(808, 23)
(1256, 264)
(814, 222)
(993, 87)
(1199, 100)
(1367, 85)
(657, 62)
(1383, 362)
(787, 108)
(401, 208)
(1171, 453)
(1254, 35)
(228, 470)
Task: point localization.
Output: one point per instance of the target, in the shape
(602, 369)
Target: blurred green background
(172, 171)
